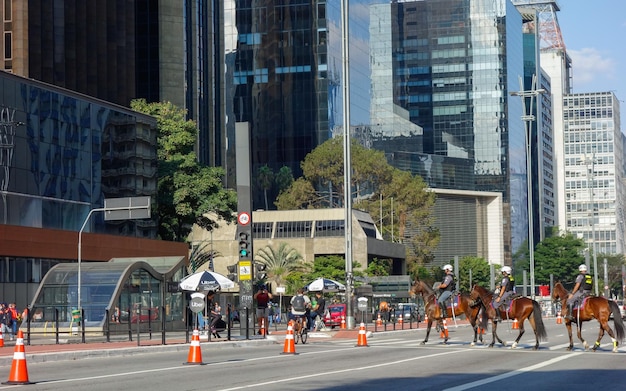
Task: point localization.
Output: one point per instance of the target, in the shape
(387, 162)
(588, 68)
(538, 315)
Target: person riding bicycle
(582, 288)
(507, 286)
(445, 288)
(300, 304)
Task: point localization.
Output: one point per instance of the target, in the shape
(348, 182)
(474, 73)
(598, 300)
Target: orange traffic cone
(400, 320)
(290, 346)
(444, 331)
(263, 327)
(1, 338)
(19, 373)
(515, 324)
(559, 319)
(362, 340)
(343, 322)
(379, 321)
(195, 353)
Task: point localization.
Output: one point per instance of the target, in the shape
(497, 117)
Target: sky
(594, 32)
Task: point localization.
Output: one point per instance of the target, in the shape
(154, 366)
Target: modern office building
(594, 170)
(61, 155)
(452, 65)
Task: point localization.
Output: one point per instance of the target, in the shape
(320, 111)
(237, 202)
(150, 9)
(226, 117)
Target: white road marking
(516, 372)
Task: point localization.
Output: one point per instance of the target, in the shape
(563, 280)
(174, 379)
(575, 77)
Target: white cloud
(590, 66)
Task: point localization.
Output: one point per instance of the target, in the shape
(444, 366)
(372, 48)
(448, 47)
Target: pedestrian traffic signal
(244, 245)
(232, 272)
(260, 271)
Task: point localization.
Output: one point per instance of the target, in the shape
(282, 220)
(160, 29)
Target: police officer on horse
(445, 289)
(584, 283)
(507, 286)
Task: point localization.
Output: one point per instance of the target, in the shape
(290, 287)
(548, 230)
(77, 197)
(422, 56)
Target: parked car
(409, 311)
(622, 308)
(334, 315)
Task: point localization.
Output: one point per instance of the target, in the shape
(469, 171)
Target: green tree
(199, 256)
(379, 267)
(481, 273)
(186, 189)
(280, 262)
(265, 180)
(614, 272)
(558, 255)
(373, 180)
(284, 178)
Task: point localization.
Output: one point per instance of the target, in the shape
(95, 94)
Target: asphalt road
(391, 361)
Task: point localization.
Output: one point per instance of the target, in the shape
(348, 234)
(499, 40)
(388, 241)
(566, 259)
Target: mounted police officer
(445, 289)
(507, 286)
(582, 288)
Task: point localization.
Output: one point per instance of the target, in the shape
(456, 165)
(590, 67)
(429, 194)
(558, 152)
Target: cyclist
(300, 304)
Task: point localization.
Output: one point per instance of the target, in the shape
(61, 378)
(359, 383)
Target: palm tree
(280, 263)
(265, 179)
(199, 256)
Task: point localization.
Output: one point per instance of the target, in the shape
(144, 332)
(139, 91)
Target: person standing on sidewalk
(262, 297)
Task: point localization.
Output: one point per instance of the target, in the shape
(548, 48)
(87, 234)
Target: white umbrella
(205, 281)
(326, 285)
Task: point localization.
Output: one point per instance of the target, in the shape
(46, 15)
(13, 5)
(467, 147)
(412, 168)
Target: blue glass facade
(63, 154)
(453, 64)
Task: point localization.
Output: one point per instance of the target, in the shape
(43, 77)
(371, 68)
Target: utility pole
(529, 118)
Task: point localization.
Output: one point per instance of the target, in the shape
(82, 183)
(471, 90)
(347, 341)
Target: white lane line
(365, 368)
(516, 372)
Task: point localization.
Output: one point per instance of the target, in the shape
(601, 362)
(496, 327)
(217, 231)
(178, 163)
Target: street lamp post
(592, 214)
(528, 119)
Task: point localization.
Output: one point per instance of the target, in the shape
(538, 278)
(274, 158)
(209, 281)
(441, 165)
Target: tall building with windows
(451, 66)
(594, 170)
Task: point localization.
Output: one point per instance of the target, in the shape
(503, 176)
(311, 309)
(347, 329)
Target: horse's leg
(521, 332)
(503, 343)
(531, 320)
(604, 326)
(579, 333)
(568, 325)
(428, 326)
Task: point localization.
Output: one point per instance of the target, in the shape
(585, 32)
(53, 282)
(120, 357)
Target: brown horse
(464, 306)
(521, 308)
(592, 307)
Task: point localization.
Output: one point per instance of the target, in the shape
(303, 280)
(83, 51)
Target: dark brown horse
(592, 307)
(521, 308)
(464, 306)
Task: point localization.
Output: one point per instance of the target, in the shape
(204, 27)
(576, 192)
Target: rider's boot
(444, 310)
(497, 318)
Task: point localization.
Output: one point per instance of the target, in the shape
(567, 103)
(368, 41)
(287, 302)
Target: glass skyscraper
(451, 65)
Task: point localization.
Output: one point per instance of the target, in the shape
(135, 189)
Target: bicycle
(300, 333)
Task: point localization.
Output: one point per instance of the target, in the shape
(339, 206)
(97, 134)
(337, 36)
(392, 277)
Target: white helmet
(582, 268)
(447, 267)
(506, 269)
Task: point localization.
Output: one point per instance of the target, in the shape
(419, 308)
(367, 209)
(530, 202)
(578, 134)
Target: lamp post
(592, 214)
(347, 189)
(529, 118)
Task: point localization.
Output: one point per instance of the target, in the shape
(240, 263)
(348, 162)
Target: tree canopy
(186, 189)
(559, 255)
(376, 186)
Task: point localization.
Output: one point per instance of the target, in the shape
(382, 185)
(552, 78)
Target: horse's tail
(483, 319)
(617, 320)
(540, 328)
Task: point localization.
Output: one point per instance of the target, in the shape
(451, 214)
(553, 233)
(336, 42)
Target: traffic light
(245, 250)
(260, 271)
(232, 272)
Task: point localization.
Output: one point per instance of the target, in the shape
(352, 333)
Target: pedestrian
(317, 310)
(262, 297)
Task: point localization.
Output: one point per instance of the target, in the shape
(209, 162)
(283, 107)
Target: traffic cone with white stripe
(559, 319)
(343, 323)
(362, 340)
(515, 324)
(19, 372)
(290, 346)
(1, 338)
(379, 321)
(263, 331)
(444, 330)
(195, 353)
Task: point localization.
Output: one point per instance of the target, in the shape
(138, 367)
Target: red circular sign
(243, 218)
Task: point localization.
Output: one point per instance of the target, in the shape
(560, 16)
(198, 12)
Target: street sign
(243, 218)
(196, 304)
(245, 270)
(126, 208)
